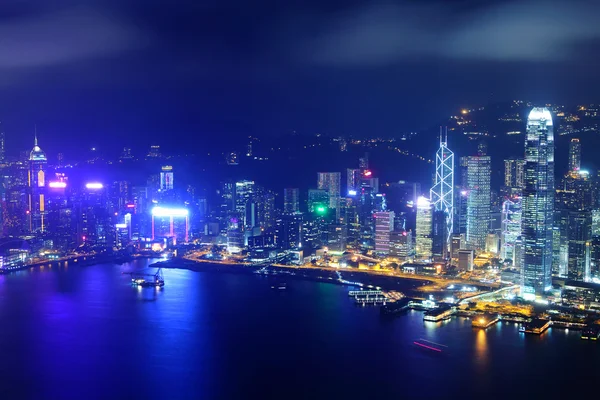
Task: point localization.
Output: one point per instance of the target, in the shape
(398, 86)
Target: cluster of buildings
(52, 211)
(536, 226)
(539, 227)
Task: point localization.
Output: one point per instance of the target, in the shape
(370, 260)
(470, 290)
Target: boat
(148, 280)
(591, 332)
(280, 286)
(430, 346)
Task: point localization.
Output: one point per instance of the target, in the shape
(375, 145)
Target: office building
(514, 169)
(423, 234)
(574, 155)
(288, 231)
(166, 178)
(401, 244)
(330, 181)
(291, 200)
(318, 201)
(478, 177)
(439, 235)
(538, 204)
(384, 225)
(442, 192)
(36, 182)
(580, 235)
(511, 228)
(337, 235)
(465, 260)
(352, 181)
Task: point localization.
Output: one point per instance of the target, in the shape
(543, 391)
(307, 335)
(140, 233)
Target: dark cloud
(56, 37)
(529, 30)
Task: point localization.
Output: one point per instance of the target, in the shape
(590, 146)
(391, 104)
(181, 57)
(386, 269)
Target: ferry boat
(430, 346)
(280, 286)
(591, 332)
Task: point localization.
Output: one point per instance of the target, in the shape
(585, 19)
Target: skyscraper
(291, 200)
(423, 248)
(478, 200)
(2, 150)
(511, 228)
(513, 172)
(538, 204)
(384, 224)
(36, 182)
(330, 181)
(579, 235)
(442, 192)
(574, 155)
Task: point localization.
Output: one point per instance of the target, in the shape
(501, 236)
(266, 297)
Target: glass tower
(424, 241)
(538, 204)
(478, 201)
(442, 192)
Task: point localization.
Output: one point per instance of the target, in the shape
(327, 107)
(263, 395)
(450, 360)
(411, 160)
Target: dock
(368, 297)
(441, 313)
(484, 321)
(537, 326)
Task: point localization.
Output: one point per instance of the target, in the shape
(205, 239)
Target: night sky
(180, 73)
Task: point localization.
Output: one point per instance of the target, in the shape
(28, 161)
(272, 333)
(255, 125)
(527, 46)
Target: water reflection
(481, 347)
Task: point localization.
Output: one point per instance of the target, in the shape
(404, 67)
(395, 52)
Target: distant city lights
(94, 185)
(57, 185)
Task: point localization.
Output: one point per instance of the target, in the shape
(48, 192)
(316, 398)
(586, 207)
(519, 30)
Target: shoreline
(405, 285)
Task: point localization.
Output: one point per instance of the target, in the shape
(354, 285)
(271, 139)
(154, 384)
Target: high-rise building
(352, 180)
(439, 235)
(424, 244)
(442, 192)
(166, 178)
(318, 201)
(511, 228)
(384, 225)
(574, 155)
(288, 231)
(36, 182)
(514, 173)
(580, 235)
(401, 244)
(478, 200)
(538, 204)
(337, 235)
(291, 200)
(330, 181)
(243, 195)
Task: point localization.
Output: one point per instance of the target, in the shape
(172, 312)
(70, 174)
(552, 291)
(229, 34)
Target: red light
(368, 173)
(403, 233)
(130, 205)
(83, 237)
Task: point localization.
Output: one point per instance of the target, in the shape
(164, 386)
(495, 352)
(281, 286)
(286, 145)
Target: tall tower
(574, 155)
(478, 200)
(36, 182)
(538, 204)
(331, 181)
(424, 241)
(442, 192)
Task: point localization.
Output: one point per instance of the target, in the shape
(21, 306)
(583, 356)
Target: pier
(484, 321)
(537, 326)
(364, 297)
(441, 313)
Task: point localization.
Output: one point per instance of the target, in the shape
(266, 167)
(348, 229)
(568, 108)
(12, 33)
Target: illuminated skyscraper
(442, 192)
(424, 242)
(538, 204)
(331, 181)
(513, 172)
(574, 155)
(166, 178)
(478, 200)
(2, 150)
(579, 234)
(36, 181)
(511, 228)
(384, 225)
